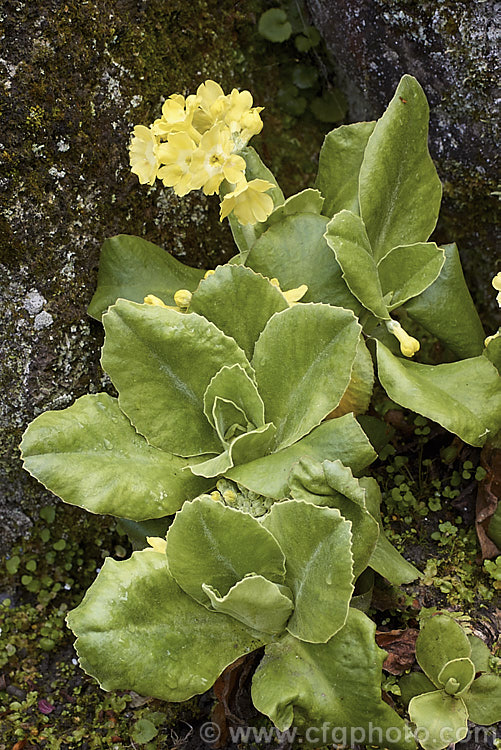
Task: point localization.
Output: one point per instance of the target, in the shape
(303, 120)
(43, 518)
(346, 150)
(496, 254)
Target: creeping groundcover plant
(237, 450)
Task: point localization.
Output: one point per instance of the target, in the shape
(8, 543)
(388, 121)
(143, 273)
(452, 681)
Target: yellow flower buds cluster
(194, 146)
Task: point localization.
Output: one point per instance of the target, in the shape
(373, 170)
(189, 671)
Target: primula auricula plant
(239, 390)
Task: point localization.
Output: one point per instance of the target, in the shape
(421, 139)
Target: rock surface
(453, 50)
(76, 77)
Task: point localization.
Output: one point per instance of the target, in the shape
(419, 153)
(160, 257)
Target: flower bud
(408, 344)
(182, 298)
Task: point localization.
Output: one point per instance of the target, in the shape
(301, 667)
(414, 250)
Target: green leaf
(253, 445)
(331, 484)
(137, 531)
(415, 683)
(339, 683)
(341, 438)
(213, 466)
(441, 640)
(211, 543)
(358, 393)
(308, 201)
(316, 543)
(143, 731)
(460, 327)
(493, 351)
(464, 397)
(234, 384)
(332, 106)
(347, 237)
(256, 169)
(385, 559)
(408, 270)
(132, 268)
(457, 675)
(295, 252)
(303, 363)
(161, 362)
(339, 166)
(274, 26)
(255, 602)
(239, 302)
(480, 653)
(137, 630)
(399, 189)
(304, 76)
(113, 469)
(483, 700)
(440, 719)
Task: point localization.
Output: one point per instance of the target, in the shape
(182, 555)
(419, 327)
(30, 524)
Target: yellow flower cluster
(193, 146)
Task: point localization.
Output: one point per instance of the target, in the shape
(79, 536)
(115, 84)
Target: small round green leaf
(440, 641)
(274, 26)
(440, 719)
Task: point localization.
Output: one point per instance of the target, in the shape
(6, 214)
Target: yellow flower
(177, 117)
(158, 543)
(150, 299)
(143, 154)
(176, 156)
(215, 161)
(243, 120)
(248, 201)
(496, 283)
(293, 295)
(408, 344)
(212, 103)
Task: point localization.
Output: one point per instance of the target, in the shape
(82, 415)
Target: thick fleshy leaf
(239, 302)
(460, 328)
(137, 630)
(316, 543)
(464, 397)
(213, 466)
(132, 268)
(441, 640)
(408, 270)
(161, 362)
(308, 201)
(415, 683)
(480, 653)
(358, 393)
(341, 438)
(385, 559)
(295, 252)
(230, 419)
(457, 675)
(256, 602)
(113, 469)
(399, 189)
(233, 384)
(347, 237)
(333, 485)
(253, 445)
(211, 543)
(303, 362)
(338, 682)
(339, 166)
(493, 351)
(439, 718)
(483, 700)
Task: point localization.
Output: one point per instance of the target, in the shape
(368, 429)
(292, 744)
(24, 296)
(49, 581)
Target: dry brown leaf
(401, 648)
(489, 492)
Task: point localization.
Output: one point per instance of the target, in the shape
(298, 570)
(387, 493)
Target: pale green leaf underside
(137, 630)
(303, 362)
(316, 543)
(440, 719)
(480, 653)
(347, 237)
(295, 252)
(399, 189)
(441, 640)
(113, 469)
(213, 544)
(239, 302)
(161, 361)
(460, 328)
(341, 438)
(131, 268)
(233, 383)
(408, 270)
(464, 397)
(339, 165)
(339, 682)
(255, 602)
(483, 700)
(308, 481)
